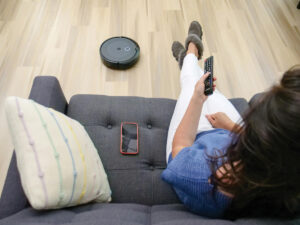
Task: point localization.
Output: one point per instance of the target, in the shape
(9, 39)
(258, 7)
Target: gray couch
(139, 196)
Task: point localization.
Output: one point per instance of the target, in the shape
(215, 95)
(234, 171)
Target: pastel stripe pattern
(83, 191)
(55, 153)
(71, 155)
(60, 167)
(32, 144)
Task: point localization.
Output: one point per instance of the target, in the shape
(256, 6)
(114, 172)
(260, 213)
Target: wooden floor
(253, 43)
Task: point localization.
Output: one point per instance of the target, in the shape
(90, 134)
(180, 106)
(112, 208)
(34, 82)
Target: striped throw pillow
(58, 163)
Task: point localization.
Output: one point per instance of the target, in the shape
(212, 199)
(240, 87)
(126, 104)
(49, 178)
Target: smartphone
(129, 138)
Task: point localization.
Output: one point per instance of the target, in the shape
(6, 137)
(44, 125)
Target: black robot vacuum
(119, 52)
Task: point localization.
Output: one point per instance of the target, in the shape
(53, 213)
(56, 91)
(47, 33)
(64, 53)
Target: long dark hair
(264, 159)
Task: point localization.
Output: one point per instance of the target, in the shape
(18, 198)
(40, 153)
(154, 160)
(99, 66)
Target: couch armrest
(240, 104)
(13, 198)
(45, 90)
(256, 97)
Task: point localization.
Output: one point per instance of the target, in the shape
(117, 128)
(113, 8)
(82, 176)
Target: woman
(222, 165)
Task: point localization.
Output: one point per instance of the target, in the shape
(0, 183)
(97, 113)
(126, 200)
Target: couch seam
(150, 215)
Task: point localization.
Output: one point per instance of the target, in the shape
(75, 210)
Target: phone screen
(129, 138)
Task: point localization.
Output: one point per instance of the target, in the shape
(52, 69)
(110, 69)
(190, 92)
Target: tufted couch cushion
(132, 178)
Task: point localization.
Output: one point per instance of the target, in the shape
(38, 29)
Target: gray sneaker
(179, 52)
(195, 35)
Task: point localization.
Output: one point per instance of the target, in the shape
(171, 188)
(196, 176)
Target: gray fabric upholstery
(256, 97)
(240, 104)
(45, 90)
(13, 198)
(125, 214)
(133, 179)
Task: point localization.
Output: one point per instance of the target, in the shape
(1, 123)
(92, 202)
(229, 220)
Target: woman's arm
(186, 132)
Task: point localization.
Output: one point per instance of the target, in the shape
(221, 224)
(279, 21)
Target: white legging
(217, 102)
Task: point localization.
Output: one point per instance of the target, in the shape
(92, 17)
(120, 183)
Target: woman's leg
(190, 74)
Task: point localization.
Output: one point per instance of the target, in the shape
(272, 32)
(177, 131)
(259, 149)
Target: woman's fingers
(214, 79)
(202, 79)
(210, 118)
(214, 87)
(205, 76)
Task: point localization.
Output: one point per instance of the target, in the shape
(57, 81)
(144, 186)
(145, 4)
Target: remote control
(208, 67)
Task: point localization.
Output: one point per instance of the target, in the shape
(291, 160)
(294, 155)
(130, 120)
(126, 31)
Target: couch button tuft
(149, 126)
(109, 126)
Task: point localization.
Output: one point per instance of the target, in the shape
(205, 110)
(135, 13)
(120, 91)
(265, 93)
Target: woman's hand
(220, 120)
(199, 87)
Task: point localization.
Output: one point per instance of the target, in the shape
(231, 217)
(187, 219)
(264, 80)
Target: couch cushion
(123, 214)
(134, 178)
(112, 214)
